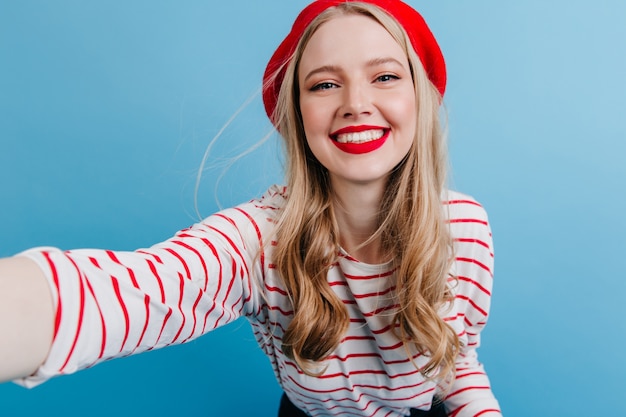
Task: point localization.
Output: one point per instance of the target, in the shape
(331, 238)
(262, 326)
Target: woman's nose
(356, 101)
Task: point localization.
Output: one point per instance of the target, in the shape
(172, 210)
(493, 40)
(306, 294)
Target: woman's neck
(356, 210)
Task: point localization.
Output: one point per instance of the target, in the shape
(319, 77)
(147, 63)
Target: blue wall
(107, 107)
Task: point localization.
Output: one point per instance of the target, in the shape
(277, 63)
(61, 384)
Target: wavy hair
(411, 226)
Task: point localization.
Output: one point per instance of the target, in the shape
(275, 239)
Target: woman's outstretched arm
(26, 317)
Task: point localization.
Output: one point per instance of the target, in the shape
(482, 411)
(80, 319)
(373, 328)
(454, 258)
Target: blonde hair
(411, 226)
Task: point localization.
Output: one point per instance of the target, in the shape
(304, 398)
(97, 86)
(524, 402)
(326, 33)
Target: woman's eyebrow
(325, 68)
(383, 60)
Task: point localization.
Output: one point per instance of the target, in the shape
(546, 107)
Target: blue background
(106, 109)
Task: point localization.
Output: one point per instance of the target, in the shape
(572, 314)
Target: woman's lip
(355, 129)
(361, 148)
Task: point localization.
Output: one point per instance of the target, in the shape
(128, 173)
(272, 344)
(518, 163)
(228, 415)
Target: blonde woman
(366, 282)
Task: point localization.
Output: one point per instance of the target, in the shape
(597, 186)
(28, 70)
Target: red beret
(422, 40)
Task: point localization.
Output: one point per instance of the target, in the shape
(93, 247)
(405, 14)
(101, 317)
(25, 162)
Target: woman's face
(357, 99)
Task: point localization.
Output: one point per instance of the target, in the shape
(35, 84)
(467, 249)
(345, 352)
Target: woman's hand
(26, 318)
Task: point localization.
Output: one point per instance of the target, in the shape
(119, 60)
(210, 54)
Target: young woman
(366, 282)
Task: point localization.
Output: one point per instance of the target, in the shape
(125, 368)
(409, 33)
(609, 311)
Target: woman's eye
(387, 77)
(323, 86)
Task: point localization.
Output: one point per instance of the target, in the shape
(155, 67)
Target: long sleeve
(113, 304)
(470, 394)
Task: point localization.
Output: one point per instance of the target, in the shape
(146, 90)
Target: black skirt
(287, 409)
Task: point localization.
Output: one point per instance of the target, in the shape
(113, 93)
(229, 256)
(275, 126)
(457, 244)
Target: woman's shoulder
(258, 215)
(467, 218)
(459, 206)
(276, 194)
(270, 203)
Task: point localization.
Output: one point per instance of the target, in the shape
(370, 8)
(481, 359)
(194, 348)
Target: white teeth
(360, 137)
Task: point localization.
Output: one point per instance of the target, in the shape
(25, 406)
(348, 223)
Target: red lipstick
(359, 148)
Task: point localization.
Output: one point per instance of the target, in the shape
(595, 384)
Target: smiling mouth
(360, 137)
(360, 140)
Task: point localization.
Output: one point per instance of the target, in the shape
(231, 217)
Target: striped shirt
(112, 304)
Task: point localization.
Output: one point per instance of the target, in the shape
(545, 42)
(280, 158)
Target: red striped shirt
(112, 304)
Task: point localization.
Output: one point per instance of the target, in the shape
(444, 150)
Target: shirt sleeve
(470, 394)
(113, 304)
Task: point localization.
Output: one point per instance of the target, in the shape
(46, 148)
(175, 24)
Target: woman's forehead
(350, 37)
